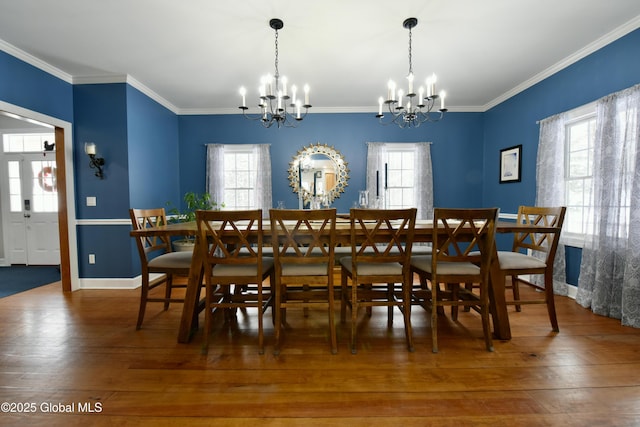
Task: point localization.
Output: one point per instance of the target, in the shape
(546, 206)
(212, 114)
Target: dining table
(424, 229)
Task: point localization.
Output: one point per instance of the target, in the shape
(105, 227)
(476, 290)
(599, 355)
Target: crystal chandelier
(418, 107)
(277, 106)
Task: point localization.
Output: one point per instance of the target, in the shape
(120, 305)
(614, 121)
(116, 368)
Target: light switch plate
(91, 201)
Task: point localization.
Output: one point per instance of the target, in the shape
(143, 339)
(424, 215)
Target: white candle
(410, 79)
(294, 89)
(263, 90)
(420, 95)
(269, 85)
(392, 89)
(433, 84)
(90, 148)
(428, 87)
(400, 95)
(298, 109)
(306, 95)
(243, 93)
(284, 86)
(380, 102)
(443, 94)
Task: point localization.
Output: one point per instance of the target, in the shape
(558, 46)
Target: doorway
(12, 116)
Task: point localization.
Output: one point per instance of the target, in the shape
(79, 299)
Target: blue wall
(140, 139)
(513, 122)
(456, 140)
(152, 143)
(31, 88)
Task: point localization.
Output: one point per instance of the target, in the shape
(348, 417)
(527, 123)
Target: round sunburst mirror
(320, 171)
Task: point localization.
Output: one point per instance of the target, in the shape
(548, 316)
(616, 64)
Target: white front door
(33, 209)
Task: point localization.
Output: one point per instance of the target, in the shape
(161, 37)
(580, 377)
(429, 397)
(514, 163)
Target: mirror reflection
(321, 172)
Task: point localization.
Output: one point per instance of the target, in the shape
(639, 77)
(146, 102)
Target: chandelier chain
(410, 56)
(276, 61)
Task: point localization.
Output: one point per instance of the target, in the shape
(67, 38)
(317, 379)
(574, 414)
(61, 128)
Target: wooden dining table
(423, 233)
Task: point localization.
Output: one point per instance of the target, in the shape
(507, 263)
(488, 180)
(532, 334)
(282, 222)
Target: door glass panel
(44, 185)
(15, 190)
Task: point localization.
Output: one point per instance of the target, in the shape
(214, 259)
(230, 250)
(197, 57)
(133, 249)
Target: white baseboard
(572, 291)
(117, 283)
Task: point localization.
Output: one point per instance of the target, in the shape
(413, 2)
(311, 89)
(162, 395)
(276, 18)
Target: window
(399, 176)
(579, 157)
(26, 142)
(239, 175)
(239, 179)
(579, 141)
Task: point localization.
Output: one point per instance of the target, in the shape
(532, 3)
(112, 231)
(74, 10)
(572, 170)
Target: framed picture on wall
(510, 164)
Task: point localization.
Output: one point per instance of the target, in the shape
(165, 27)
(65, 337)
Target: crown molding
(36, 62)
(316, 110)
(608, 38)
(125, 78)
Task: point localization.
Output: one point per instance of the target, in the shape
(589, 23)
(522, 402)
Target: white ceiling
(194, 55)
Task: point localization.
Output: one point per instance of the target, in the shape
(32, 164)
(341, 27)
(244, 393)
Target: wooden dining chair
(378, 262)
(156, 257)
(463, 244)
(303, 247)
(534, 253)
(234, 268)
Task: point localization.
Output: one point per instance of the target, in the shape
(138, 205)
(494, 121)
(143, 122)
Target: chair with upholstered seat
(156, 257)
(303, 247)
(463, 244)
(534, 253)
(232, 258)
(378, 262)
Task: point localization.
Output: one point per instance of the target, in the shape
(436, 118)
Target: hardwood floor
(63, 355)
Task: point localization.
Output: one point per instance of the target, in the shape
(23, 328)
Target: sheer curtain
(376, 155)
(610, 269)
(260, 155)
(550, 175)
(423, 185)
(215, 172)
(263, 178)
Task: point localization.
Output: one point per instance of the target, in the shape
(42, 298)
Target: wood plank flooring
(65, 355)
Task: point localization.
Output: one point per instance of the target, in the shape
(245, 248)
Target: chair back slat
(233, 237)
(149, 218)
(303, 236)
(463, 235)
(382, 235)
(545, 243)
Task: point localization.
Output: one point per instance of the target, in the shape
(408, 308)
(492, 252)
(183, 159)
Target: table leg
(501, 327)
(190, 309)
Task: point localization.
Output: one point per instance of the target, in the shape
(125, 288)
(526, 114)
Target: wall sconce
(94, 162)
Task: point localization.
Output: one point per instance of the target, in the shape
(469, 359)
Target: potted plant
(193, 202)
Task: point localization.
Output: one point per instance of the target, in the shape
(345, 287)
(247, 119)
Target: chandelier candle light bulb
(243, 93)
